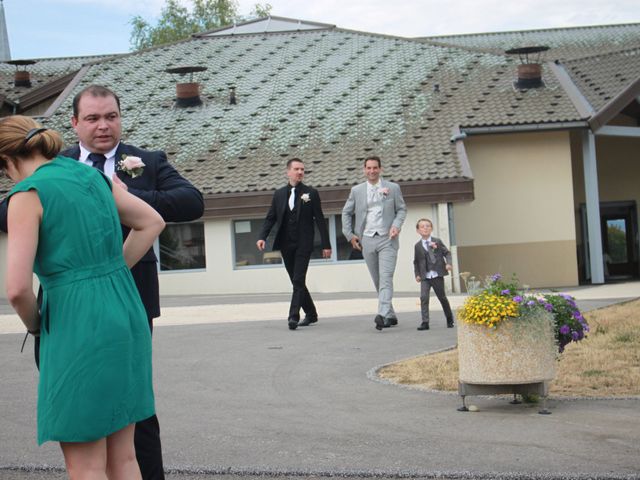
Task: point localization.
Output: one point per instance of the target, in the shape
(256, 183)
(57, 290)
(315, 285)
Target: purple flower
(548, 307)
(517, 299)
(566, 296)
(575, 336)
(531, 303)
(564, 329)
(506, 291)
(495, 277)
(577, 315)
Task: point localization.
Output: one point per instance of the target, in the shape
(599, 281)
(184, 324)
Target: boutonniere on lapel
(433, 245)
(132, 166)
(385, 192)
(305, 197)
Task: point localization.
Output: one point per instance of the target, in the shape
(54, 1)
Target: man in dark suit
(295, 208)
(431, 262)
(96, 120)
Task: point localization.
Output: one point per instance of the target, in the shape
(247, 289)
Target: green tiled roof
(328, 96)
(601, 77)
(564, 43)
(333, 96)
(42, 72)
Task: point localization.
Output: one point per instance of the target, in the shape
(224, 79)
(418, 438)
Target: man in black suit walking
(96, 120)
(295, 209)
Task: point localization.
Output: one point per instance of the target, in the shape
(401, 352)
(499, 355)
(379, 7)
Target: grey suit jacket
(394, 210)
(432, 259)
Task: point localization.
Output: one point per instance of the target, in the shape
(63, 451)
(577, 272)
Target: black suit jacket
(162, 187)
(308, 211)
(436, 259)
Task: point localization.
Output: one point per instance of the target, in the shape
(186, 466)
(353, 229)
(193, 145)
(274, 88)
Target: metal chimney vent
(187, 94)
(22, 77)
(530, 69)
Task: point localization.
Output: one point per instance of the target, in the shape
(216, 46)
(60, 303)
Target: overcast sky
(56, 28)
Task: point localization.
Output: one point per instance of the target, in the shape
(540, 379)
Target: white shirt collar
(84, 153)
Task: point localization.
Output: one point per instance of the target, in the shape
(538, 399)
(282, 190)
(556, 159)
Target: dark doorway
(619, 229)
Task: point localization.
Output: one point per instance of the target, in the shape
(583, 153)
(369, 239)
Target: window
(182, 247)
(245, 235)
(345, 250)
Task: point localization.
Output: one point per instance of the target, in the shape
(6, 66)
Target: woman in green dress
(95, 356)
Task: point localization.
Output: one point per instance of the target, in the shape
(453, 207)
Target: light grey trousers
(380, 253)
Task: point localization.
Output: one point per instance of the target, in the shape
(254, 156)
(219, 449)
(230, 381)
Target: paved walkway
(238, 393)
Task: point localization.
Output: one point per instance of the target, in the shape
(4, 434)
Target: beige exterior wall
(618, 169)
(618, 166)
(220, 276)
(522, 218)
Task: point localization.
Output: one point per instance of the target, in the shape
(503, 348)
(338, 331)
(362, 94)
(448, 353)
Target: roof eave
(45, 91)
(615, 106)
(256, 204)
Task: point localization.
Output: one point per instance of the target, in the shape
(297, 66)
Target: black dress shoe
(449, 323)
(308, 320)
(293, 322)
(392, 321)
(423, 326)
(379, 321)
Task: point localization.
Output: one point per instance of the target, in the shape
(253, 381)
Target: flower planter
(516, 351)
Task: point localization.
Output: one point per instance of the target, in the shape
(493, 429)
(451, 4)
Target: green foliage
(617, 244)
(177, 22)
(501, 299)
(530, 398)
(626, 337)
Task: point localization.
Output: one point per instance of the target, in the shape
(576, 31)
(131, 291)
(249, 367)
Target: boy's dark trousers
(437, 284)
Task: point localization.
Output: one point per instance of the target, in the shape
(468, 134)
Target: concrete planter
(517, 351)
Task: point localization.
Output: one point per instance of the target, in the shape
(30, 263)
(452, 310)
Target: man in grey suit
(379, 211)
(431, 262)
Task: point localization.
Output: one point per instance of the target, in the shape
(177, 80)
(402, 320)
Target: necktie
(97, 160)
(292, 198)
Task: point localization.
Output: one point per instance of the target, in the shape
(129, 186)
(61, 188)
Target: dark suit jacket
(434, 259)
(162, 187)
(308, 212)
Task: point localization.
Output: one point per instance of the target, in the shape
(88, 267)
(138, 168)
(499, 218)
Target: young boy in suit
(431, 262)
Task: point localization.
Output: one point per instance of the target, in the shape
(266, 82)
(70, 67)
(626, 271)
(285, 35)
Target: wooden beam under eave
(615, 106)
(256, 204)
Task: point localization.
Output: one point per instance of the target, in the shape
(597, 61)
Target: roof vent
(22, 77)
(530, 69)
(187, 93)
(232, 95)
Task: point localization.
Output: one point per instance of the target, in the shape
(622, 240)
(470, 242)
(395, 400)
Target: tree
(177, 22)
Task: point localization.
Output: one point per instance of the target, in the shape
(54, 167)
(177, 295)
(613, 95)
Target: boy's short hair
(423, 220)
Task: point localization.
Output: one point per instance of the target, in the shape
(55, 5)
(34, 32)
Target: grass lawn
(605, 364)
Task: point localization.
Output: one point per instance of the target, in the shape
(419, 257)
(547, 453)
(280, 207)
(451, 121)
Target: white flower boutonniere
(305, 197)
(132, 166)
(433, 245)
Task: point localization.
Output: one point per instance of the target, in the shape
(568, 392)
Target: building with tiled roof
(29, 87)
(497, 162)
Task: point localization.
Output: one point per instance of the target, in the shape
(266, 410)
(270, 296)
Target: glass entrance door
(617, 240)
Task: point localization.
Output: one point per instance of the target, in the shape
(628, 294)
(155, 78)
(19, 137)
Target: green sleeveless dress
(95, 350)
